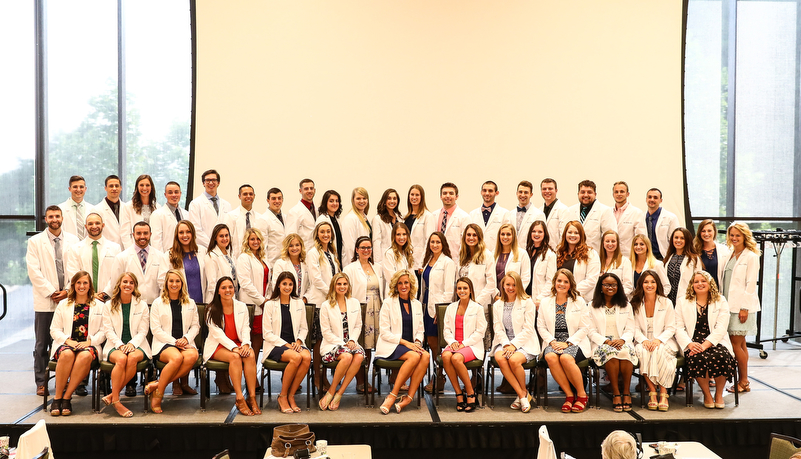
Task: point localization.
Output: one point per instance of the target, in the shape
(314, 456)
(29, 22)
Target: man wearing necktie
(148, 264)
(271, 225)
(450, 218)
(595, 217)
(208, 209)
(302, 217)
(241, 219)
(95, 255)
(46, 263)
(490, 216)
(75, 209)
(524, 215)
(164, 219)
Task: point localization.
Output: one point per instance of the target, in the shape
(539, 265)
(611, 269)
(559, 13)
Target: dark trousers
(41, 349)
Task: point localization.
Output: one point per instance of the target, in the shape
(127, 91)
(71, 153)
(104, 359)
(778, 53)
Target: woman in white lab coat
(439, 274)
(612, 261)
(642, 259)
(142, 205)
(713, 255)
(387, 215)
(293, 260)
(355, 223)
(680, 262)
(329, 211)
(254, 281)
(219, 260)
(416, 218)
(477, 264)
(399, 255)
(189, 258)
(579, 258)
(543, 261)
(509, 258)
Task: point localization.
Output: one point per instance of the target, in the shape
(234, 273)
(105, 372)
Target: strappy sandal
(334, 405)
(125, 414)
(55, 407)
(151, 386)
(254, 405)
(652, 403)
(155, 401)
(294, 405)
(461, 405)
(627, 405)
(325, 401)
(617, 407)
(741, 388)
(580, 404)
(288, 409)
(398, 401)
(663, 402)
(471, 406)
(516, 404)
(66, 406)
(567, 407)
(106, 400)
(384, 407)
(242, 406)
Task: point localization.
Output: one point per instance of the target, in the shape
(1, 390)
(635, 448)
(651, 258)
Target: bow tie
(521, 209)
(486, 209)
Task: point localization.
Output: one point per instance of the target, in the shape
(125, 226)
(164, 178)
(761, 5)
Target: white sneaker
(525, 406)
(516, 404)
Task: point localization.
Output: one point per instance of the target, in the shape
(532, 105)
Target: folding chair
(477, 364)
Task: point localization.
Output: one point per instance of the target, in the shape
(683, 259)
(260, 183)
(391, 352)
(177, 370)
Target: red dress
(229, 327)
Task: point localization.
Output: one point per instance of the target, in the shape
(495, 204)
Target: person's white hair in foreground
(619, 445)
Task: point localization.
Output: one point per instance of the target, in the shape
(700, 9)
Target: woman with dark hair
(77, 332)
(387, 215)
(285, 330)
(612, 335)
(543, 261)
(329, 211)
(416, 219)
(579, 258)
(709, 250)
(219, 261)
(654, 334)
(680, 262)
(126, 321)
(189, 258)
(228, 322)
(438, 275)
(142, 204)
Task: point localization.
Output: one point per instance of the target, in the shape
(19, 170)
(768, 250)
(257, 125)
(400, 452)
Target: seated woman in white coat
(401, 338)
(341, 324)
(126, 321)
(439, 273)
(77, 332)
(580, 259)
(138, 209)
(399, 255)
(613, 261)
(293, 259)
(542, 259)
(189, 258)
(285, 331)
(642, 259)
(254, 281)
(478, 264)
(509, 258)
(228, 321)
(387, 215)
(656, 344)
(680, 262)
(702, 319)
(612, 337)
(515, 337)
(174, 323)
(322, 263)
(464, 328)
(563, 323)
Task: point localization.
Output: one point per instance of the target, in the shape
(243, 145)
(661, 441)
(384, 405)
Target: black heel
(55, 407)
(471, 406)
(66, 406)
(461, 405)
(626, 406)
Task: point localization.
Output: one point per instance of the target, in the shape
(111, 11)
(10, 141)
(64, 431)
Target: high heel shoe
(653, 405)
(106, 400)
(66, 406)
(399, 400)
(151, 386)
(663, 402)
(288, 409)
(460, 402)
(242, 406)
(126, 414)
(471, 406)
(254, 405)
(55, 407)
(627, 405)
(741, 388)
(334, 405)
(385, 407)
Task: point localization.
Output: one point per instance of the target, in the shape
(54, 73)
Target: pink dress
(466, 352)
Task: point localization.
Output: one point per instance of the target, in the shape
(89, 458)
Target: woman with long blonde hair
(510, 257)
(613, 261)
(254, 281)
(643, 259)
(355, 224)
(293, 260)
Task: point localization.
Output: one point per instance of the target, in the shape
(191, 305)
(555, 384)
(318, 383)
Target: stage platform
(773, 405)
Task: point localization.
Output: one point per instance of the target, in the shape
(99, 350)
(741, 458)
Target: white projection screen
(386, 94)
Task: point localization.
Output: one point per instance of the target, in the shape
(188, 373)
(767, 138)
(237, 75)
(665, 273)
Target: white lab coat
(358, 280)
(631, 223)
(162, 227)
(441, 282)
(201, 261)
(250, 272)
(284, 264)
(111, 228)
(626, 275)
(474, 326)
(718, 316)
(138, 320)
(664, 323)
(300, 220)
(532, 214)
(151, 280)
(80, 259)
(61, 326)
(483, 278)
(390, 325)
(271, 323)
(216, 266)
(624, 323)
(723, 254)
(319, 276)
(586, 275)
(390, 265)
(577, 316)
(128, 218)
(273, 231)
(331, 324)
(522, 267)
(41, 261)
(454, 227)
(556, 221)
(523, 314)
(419, 237)
(688, 269)
(161, 323)
(217, 334)
(600, 220)
(743, 285)
(327, 218)
(542, 277)
(497, 218)
(202, 215)
(382, 239)
(665, 225)
(352, 228)
(69, 217)
(237, 225)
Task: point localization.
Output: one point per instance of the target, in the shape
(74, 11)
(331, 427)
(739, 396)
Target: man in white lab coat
(241, 219)
(271, 225)
(524, 214)
(659, 223)
(147, 263)
(450, 219)
(95, 255)
(75, 209)
(554, 210)
(208, 209)
(629, 218)
(109, 209)
(595, 217)
(490, 216)
(301, 218)
(164, 219)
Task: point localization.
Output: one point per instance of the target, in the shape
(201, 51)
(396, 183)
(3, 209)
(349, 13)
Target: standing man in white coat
(164, 219)
(629, 218)
(75, 209)
(450, 219)
(46, 260)
(147, 263)
(109, 209)
(595, 217)
(555, 211)
(659, 223)
(490, 216)
(271, 225)
(208, 209)
(524, 215)
(242, 218)
(300, 218)
(95, 255)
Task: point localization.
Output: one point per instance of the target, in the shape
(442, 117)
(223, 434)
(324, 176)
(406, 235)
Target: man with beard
(147, 263)
(595, 217)
(46, 260)
(95, 255)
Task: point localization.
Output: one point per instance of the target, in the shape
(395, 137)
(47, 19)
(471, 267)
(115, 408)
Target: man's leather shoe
(81, 391)
(40, 391)
(130, 391)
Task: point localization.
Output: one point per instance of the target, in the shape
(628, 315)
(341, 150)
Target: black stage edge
(744, 439)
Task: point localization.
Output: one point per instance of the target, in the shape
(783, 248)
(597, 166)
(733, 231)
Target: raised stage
(773, 405)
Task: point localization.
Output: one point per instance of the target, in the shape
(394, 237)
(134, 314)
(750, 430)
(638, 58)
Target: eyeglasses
(609, 286)
(210, 180)
(365, 248)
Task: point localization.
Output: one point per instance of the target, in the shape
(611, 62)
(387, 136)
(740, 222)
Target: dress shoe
(130, 391)
(40, 390)
(81, 391)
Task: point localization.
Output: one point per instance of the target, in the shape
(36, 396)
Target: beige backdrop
(390, 93)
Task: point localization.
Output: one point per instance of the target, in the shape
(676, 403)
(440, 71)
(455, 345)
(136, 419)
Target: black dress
(717, 360)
